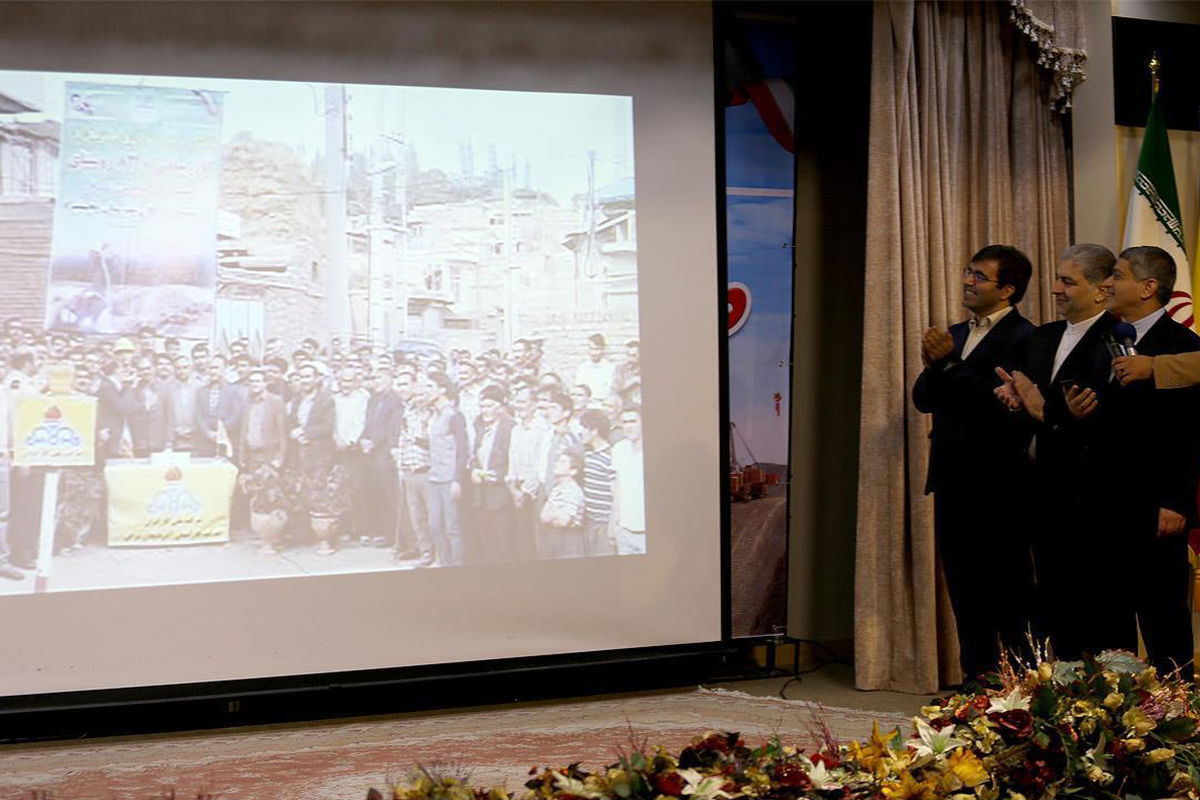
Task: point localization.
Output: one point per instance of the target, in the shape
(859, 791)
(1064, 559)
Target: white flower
(702, 787)
(821, 777)
(1014, 701)
(574, 786)
(934, 743)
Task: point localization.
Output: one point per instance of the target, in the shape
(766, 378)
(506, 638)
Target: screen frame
(191, 705)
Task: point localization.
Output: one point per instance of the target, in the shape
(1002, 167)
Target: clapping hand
(936, 344)
(1006, 392)
(1026, 390)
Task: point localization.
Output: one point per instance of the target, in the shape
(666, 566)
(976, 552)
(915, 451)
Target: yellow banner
(54, 431)
(157, 504)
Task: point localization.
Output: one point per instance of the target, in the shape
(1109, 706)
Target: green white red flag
(1154, 217)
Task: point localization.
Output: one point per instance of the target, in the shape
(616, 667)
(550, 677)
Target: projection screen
(355, 337)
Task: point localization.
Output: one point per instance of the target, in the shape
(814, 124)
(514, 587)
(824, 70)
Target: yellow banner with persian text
(54, 431)
(172, 504)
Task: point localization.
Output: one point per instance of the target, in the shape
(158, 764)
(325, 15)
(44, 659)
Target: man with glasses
(978, 458)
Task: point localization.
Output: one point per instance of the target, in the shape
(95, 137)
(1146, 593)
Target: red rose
(791, 776)
(716, 742)
(981, 702)
(829, 761)
(1017, 723)
(669, 783)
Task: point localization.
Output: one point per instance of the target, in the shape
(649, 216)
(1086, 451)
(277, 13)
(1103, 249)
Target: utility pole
(337, 274)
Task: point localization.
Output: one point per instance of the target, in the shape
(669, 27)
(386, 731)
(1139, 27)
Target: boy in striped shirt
(598, 478)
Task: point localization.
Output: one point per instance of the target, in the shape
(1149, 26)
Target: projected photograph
(263, 329)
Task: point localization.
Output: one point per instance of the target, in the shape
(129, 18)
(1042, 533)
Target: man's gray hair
(1095, 260)
(1153, 262)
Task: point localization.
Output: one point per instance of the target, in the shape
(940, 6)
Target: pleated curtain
(966, 149)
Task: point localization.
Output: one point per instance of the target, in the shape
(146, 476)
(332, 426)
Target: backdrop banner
(760, 169)
(135, 216)
(155, 504)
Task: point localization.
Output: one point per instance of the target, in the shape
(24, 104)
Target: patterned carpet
(340, 761)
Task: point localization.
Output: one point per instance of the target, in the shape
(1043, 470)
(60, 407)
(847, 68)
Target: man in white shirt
(524, 467)
(349, 421)
(597, 372)
(629, 488)
(1066, 363)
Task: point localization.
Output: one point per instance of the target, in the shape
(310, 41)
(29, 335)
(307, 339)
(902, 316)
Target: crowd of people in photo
(439, 457)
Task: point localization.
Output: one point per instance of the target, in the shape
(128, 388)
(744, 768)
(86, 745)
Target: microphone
(1115, 348)
(1126, 335)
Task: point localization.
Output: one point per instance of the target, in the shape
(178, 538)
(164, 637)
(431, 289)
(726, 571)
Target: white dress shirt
(1146, 323)
(1070, 338)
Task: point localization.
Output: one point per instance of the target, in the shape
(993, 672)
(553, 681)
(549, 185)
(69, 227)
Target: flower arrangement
(1099, 729)
(270, 489)
(327, 494)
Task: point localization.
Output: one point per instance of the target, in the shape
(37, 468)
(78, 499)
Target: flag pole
(1154, 65)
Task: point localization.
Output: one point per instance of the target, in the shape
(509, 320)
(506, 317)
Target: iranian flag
(1154, 211)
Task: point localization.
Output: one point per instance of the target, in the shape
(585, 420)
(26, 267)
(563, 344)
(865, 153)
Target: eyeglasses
(979, 277)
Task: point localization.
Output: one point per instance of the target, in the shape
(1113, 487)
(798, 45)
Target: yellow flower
(1134, 745)
(1098, 776)
(1148, 679)
(1136, 720)
(1087, 726)
(985, 734)
(933, 712)
(872, 756)
(1160, 754)
(906, 787)
(1045, 671)
(760, 780)
(967, 767)
(1114, 700)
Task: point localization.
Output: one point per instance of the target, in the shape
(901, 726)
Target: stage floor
(342, 759)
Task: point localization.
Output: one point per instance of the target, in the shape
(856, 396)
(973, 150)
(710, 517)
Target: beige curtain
(966, 150)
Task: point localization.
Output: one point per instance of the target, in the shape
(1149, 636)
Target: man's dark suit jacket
(113, 406)
(228, 411)
(318, 430)
(493, 496)
(1064, 443)
(149, 426)
(385, 417)
(1151, 452)
(970, 425)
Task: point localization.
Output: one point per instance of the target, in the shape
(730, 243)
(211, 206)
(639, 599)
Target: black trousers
(1161, 577)
(25, 514)
(985, 557)
(1074, 555)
